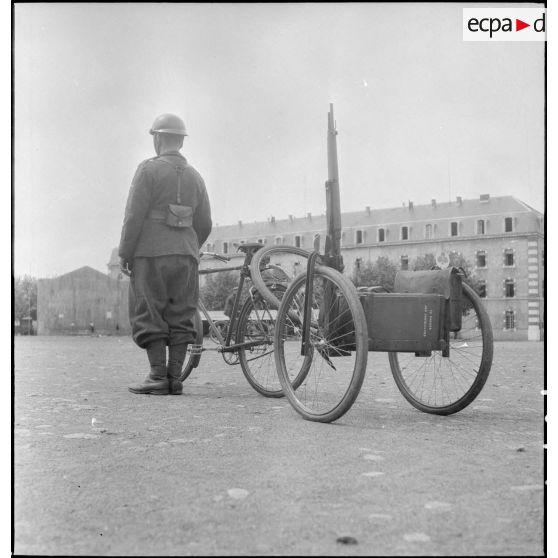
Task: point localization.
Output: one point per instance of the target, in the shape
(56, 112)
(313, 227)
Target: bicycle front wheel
(323, 385)
(276, 256)
(445, 385)
(193, 354)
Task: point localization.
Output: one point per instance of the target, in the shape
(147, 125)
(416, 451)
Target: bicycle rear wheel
(323, 385)
(193, 354)
(445, 385)
(256, 323)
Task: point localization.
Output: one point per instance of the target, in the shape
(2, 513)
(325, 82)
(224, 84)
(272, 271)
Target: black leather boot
(157, 382)
(177, 354)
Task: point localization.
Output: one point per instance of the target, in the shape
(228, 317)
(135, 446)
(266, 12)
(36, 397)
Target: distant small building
(82, 302)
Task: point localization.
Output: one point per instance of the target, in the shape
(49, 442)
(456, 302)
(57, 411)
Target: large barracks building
(501, 237)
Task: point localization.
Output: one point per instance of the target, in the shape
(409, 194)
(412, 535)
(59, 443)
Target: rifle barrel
(332, 169)
(333, 203)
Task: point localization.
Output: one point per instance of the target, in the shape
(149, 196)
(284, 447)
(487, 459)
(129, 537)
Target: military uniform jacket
(154, 187)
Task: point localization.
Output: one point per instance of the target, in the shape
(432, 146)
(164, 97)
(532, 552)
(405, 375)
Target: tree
(25, 299)
(216, 289)
(381, 272)
(428, 261)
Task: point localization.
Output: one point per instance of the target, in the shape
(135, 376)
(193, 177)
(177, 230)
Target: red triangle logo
(519, 25)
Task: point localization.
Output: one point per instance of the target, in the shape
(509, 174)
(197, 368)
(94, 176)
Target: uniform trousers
(163, 299)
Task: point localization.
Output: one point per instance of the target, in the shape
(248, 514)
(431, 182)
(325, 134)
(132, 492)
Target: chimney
(368, 210)
(309, 216)
(240, 223)
(484, 198)
(459, 200)
(434, 203)
(272, 220)
(411, 205)
(291, 218)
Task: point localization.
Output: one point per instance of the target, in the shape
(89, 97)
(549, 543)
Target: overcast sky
(421, 114)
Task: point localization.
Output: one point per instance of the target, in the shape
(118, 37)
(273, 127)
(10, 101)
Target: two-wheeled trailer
(433, 326)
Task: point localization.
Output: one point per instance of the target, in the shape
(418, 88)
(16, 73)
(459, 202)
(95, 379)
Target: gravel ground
(222, 470)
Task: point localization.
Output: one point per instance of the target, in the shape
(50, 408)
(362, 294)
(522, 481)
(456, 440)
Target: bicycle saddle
(249, 247)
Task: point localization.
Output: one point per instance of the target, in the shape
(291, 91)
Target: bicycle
(322, 369)
(247, 338)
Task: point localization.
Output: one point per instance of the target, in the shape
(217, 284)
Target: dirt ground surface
(222, 470)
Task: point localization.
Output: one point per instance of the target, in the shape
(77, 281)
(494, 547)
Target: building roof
(84, 271)
(407, 213)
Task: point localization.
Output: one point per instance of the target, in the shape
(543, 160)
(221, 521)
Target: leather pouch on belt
(179, 216)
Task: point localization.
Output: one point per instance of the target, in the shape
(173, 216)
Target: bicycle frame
(225, 345)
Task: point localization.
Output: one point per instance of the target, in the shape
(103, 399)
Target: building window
(508, 257)
(428, 231)
(358, 263)
(209, 247)
(509, 320)
(509, 286)
(404, 262)
(405, 233)
(278, 240)
(225, 247)
(381, 235)
(261, 240)
(480, 226)
(481, 288)
(359, 235)
(454, 228)
(481, 258)
(508, 224)
(298, 241)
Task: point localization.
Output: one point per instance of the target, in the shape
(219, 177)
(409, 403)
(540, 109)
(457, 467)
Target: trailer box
(405, 322)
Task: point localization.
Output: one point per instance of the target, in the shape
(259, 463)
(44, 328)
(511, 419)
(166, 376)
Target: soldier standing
(167, 219)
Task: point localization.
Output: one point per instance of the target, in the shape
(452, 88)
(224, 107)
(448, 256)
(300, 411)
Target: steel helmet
(168, 124)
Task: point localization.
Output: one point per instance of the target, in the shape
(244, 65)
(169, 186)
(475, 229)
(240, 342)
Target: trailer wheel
(445, 385)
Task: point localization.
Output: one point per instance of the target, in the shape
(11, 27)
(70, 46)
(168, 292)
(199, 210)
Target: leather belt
(157, 214)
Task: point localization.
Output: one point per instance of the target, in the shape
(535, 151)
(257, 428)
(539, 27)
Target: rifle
(332, 249)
